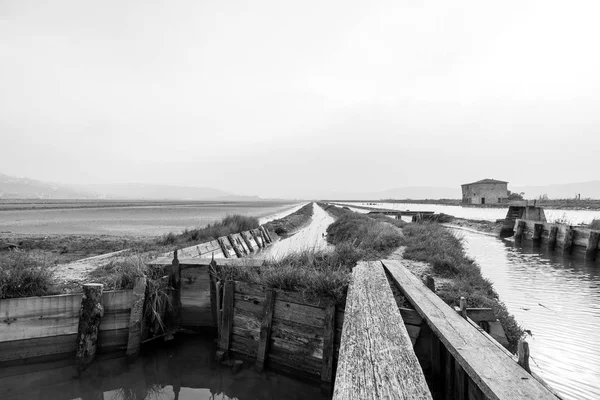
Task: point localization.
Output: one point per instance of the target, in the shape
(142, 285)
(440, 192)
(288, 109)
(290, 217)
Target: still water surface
(487, 214)
(186, 370)
(556, 298)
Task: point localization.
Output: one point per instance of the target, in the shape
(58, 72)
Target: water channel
(556, 298)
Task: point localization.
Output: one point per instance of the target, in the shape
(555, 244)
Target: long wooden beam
(494, 373)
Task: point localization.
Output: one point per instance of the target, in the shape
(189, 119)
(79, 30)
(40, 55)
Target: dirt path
(311, 237)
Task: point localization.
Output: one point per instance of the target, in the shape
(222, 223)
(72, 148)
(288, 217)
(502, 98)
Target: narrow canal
(557, 299)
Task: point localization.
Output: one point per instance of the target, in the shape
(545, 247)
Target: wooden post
(328, 337)
(175, 283)
(136, 318)
(463, 307)
(227, 322)
(538, 229)
(568, 242)
(238, 252)
(224, 248)
(449, 378)
(265, 330)
(523, 350)
(552, 237)
(430, 283)
(590, 252)
(218, 287)
(263, 236)
(90, 316)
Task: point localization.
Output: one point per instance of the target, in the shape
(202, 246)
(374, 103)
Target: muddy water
(184, 370)
(556, 298)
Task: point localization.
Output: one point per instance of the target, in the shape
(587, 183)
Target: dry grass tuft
(25, 274)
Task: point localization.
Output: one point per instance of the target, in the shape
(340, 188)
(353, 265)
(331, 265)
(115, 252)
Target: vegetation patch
(291, 223)
(227, 226)
(25, 274)
(434, 244)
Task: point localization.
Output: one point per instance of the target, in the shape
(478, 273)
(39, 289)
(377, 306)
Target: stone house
(485, 191)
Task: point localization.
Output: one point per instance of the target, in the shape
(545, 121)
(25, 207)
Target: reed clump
(291, 223)
(25, 274)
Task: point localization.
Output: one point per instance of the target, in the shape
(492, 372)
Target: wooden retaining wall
(280, 328)
(558, 236)
(465, 362)
(46, 327)
(232, 246)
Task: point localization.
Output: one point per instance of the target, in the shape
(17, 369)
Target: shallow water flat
(122, 218)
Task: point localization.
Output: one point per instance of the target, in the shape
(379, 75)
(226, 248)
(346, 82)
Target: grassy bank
(291, 223)
(24, 274)
(437, 246)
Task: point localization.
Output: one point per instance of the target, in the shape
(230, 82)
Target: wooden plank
(241, 243)
(376, 358)
(410, 316)
(226, 247)
(591, 250)
(257, 238)
(117, 309)
(435, 352)
(328, 339)
(492, 371)
(266, 234)
(552, 236)
(474, 392)
(114, 340)
(196, 307)
(538, 229)
(38, 347)
(449, 375)
(35, 317)
(239, 253)
(481, 314)
(249, 240)
(252, 289)
(226, 324)
(265, 330)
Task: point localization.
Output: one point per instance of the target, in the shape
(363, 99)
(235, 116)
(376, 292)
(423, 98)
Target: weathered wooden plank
(38, 347)
(266, 234)
(113, 340)
(481, 314)
(226, 247)
(35, 317)
(226, 324)
(376, 357)
(328, 343)
(492, 371)
(460, 385)
(249, 240)
(552, 236)
(474, 392)
(538, 229)
(257, 238)
(90, 316)
(241, 243)
(196, 307)
(294, 360)
(567, 246)
(265, 329)
(239, 252)
(243, 345)
(410, 316)
(449, 374)
(282, 295)
(435, 353)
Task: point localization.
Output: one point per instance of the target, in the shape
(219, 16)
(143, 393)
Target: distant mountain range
(23, 188)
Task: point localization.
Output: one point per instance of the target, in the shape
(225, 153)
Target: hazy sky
(303, 98)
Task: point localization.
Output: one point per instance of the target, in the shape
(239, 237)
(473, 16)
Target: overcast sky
(303, 98)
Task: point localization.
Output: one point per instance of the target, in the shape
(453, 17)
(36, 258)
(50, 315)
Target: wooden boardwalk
(465, 363)
(376, 358)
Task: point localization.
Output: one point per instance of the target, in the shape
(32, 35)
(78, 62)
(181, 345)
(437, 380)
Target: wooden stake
(175, 283)
(265, 330)
(430, 283)
(136, 318)
(463, 307)
(219, 309)
(552, 237)
(590, 252)
(227, 322)
(90, 316)
(523, 350)
(328, 337)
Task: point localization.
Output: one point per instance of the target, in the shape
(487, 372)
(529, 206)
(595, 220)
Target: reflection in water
(185, 370)
(556, 298)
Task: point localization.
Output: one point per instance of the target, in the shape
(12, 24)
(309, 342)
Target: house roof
(484, 181)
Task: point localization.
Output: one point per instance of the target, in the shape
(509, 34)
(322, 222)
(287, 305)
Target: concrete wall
(484, 193)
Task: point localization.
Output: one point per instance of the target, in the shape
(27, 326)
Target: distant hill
(589, 189)
(161, 192)
(24, 188)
